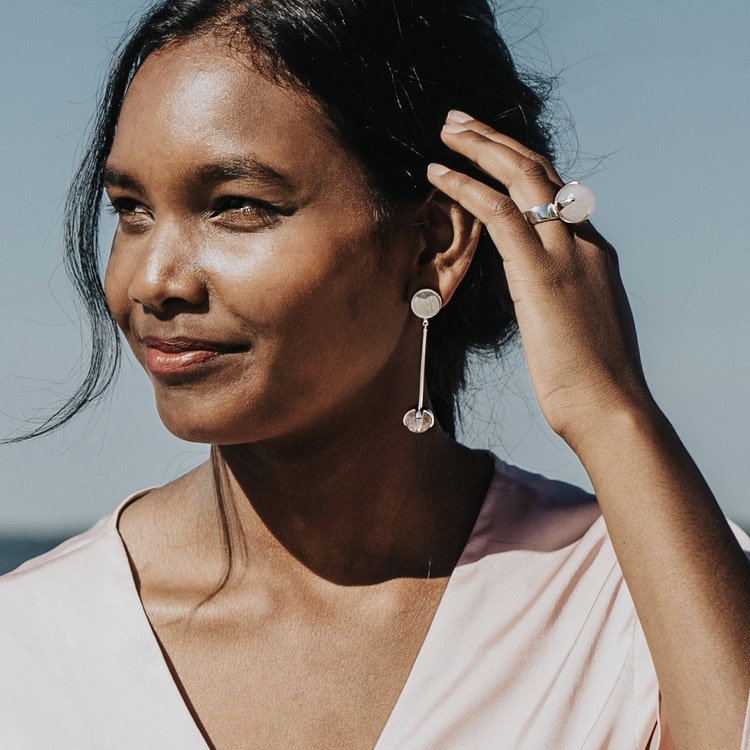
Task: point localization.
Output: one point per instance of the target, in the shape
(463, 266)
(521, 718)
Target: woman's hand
(575, 321)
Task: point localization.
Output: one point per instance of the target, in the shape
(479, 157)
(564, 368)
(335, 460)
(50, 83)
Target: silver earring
(425, 304)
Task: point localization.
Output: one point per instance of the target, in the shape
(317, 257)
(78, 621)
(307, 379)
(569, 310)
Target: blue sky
(658, 94)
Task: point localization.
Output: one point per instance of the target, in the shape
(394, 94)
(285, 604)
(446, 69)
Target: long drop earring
(425, 304)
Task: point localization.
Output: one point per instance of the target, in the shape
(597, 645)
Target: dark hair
(386, 72)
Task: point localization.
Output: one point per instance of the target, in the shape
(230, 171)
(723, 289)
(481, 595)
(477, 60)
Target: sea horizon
(16, 549)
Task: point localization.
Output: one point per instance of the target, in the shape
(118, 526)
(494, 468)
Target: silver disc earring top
(425, 304)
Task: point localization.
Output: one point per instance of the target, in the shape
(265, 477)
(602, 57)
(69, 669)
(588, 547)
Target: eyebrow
(236, 168)
(117, 178)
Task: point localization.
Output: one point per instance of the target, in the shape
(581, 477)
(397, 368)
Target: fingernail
(456, 115)
(454, 127)
(437, 170)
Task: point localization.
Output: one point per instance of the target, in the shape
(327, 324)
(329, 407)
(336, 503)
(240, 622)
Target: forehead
(203, 100)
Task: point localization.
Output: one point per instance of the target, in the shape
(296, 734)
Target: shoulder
(65, 584)
(543, 545)
(86, 669)
(46, 568)
(539, 513)
(51, 605)
(530, 512)
(56, 612)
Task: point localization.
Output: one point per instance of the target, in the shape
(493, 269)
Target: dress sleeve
(661, 739)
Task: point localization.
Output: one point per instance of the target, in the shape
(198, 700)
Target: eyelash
(120, 206)
(264, 213)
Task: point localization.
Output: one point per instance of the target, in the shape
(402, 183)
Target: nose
(167, 278)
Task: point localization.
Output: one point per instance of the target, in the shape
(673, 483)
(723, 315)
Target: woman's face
(246, 272)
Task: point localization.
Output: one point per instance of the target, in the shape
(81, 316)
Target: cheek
(298, 276)
(320, 308)
(116, 289)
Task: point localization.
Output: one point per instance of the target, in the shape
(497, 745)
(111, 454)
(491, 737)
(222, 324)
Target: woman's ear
(451, 235)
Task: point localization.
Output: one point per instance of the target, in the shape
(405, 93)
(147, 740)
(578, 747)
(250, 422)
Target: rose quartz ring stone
(573, 204)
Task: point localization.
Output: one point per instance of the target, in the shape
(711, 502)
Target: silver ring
(573, 204)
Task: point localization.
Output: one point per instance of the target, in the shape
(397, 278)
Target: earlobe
(451, 235)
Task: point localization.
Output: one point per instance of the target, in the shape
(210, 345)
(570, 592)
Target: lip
(182, 356)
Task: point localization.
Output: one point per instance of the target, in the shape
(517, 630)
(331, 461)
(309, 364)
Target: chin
(214, 422)
(210, 429)
(191, 433)
(198, 423)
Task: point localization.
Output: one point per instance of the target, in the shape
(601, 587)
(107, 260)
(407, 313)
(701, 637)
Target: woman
(342, 573)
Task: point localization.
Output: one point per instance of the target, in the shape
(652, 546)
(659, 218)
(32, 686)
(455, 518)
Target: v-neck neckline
(170, 684)
(426, 649)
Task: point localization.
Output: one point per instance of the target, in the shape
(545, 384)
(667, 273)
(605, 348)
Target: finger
(507, 227)
(526, 179)
(461, 118)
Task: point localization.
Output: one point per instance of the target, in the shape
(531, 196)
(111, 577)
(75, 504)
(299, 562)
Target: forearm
(688, 577)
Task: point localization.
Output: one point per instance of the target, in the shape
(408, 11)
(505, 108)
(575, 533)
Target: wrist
(608, 430)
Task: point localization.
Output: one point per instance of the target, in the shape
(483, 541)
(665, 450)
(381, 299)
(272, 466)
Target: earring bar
(422, 368)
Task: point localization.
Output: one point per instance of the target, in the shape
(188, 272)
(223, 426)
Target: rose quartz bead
(425, 421)
(581, 206)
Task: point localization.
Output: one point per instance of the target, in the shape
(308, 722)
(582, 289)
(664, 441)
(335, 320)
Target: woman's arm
(688, 577)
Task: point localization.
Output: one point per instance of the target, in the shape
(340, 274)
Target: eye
(133, 216)
(239, 212)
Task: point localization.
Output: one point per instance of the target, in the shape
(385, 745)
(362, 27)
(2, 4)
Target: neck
(358, 508)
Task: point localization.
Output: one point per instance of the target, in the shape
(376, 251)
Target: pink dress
(535, 644)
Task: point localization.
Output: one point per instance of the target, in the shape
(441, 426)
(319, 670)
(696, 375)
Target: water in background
(17, 549)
